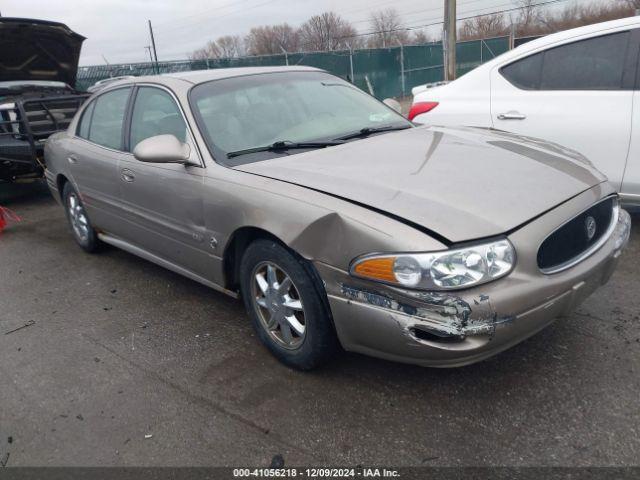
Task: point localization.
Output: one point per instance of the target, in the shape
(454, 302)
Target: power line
(440, 22)
(431, 21)
(423, 10)
(475, 10)
(369, 7)
(457, 20)
(404, 14)
(199, 14)
(217, 17)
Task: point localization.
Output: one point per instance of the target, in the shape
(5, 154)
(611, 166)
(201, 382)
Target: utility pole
(153, 46)
(148, 49)
(512, 36)
(449, 40)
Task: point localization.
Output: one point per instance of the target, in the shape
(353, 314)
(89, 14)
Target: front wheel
(285, 302)
(81, 227)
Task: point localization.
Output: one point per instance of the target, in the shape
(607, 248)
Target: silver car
(338, 222)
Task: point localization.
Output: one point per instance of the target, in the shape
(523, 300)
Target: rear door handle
(512, 115)
(127, 175)
(72, 159)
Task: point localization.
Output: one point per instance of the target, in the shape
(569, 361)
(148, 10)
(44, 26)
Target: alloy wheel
(78, 218)
(278, 305)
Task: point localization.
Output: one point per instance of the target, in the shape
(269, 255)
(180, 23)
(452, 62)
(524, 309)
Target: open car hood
(462, 183)
(38, 50)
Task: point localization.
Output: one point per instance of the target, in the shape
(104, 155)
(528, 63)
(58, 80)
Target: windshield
(252, 111)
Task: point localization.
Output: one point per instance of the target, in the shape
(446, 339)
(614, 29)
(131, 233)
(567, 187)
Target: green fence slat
(379, 68)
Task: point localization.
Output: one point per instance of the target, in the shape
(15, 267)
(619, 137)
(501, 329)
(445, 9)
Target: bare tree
(388, 29)
(272, 39)
(327, 31)
(228, 46)
(576, 15)
(485, 26)
(288, 37)
(351, 39)
(420, 37)
(528, 18)
(210, 50)
(635, 4)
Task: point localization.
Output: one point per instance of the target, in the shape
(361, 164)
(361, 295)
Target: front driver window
(155, 113)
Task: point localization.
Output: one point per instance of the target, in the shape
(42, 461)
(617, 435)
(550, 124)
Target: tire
(81, 228)
(305, 299)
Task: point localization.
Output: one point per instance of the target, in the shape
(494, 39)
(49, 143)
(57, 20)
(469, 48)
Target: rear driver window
(108, 118)
(592, 64)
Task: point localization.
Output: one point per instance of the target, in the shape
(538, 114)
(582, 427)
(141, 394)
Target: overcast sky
(117, 29)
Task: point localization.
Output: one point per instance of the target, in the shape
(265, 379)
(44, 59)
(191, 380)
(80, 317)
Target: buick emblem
(590, 227)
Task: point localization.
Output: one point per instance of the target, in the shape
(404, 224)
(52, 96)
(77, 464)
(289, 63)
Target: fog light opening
(434, 336)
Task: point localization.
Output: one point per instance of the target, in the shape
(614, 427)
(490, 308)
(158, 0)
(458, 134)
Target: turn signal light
(380, 268)
(420, 108)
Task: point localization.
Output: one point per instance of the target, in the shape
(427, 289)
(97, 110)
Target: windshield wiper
(365, 132)
(283, 145)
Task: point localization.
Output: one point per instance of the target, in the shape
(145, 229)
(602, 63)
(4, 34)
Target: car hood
(462, 183)
(38, 50)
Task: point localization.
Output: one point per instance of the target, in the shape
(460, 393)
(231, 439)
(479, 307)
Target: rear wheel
(285, 301)
(81, 227)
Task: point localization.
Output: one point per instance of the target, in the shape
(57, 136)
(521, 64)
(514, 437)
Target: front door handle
(72, 159)
(511, 115)
(127, 175)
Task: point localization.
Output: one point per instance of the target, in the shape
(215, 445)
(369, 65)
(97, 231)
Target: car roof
(632, 22)
(195, 77)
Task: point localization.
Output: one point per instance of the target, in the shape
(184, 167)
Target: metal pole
(402, 78)
(353, 80)
(153, 45)
(286, 55)
(449, 40)
(512, 36)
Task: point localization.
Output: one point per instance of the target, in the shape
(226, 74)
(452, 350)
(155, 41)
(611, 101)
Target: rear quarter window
(524, 73)
(85, 121)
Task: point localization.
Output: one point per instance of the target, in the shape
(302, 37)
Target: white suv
(579, 88)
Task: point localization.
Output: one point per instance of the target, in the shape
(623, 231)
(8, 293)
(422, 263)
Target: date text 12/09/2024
(315, 472)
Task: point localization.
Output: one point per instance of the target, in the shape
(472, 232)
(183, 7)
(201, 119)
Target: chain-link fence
(385, 72)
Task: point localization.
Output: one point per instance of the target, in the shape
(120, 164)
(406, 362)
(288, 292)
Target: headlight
(622, 230)
(445, 270)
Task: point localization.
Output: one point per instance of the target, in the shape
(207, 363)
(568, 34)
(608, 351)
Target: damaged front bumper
(448, 329)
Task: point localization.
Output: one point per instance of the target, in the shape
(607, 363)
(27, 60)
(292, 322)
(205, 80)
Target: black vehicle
(38, 66)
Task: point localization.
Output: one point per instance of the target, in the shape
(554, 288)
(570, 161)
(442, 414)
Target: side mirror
(392, 103)
(162, 149)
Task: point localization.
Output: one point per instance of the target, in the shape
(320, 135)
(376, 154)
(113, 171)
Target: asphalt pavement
(110, 360)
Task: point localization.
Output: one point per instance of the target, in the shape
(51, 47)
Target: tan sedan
(338, 222)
